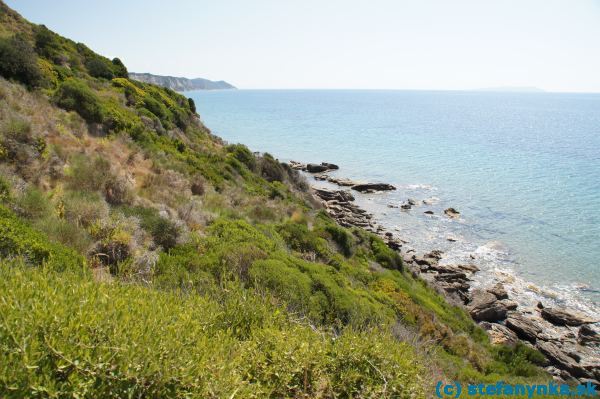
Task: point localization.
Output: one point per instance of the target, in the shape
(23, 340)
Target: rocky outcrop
(373, 187)
(563, 317)
(525, 328)
(498, 291)
(499, 334)
(564, 337)
(485, 306)
(587, 335)
(316, 168)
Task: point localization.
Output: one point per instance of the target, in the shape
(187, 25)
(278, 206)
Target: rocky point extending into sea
(569, 340)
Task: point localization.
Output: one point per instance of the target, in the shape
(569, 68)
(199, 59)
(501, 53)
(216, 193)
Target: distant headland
(181, 84)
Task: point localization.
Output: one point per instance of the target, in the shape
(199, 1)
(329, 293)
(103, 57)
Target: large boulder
(525, 327)
(330, 166)
(372, 187)
(564, 317)
(499, 291)
(316, 168)
(588, 335)
(484, 306)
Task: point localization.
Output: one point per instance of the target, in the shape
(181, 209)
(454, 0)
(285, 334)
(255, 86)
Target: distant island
(515, 89)
(181, 84)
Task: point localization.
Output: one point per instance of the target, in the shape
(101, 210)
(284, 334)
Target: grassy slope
(168, 263)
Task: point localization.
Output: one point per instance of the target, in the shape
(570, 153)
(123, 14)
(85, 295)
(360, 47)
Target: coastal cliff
(181, 84)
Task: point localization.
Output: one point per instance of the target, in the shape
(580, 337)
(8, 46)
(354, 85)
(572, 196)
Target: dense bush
(18, 61)
(242, 154)
(119, 69)
(164, 232)
(19, 240)
(33, 204)
(87, 174)
(109, 340)
(100, 68)
(75, 95)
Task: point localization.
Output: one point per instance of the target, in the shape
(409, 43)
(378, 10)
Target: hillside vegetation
(141, 256)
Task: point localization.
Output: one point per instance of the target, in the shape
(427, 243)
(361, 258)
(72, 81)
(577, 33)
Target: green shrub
(66, 233)
(5, 189)
(164, 232)
(119, 69)
(242, 154)
(99, 68)
(387, 257)
(33, 204)
(86, 339)
(18, 61)
(19, 240)
(87, 174)
(192, 105)
(270, 168)
(84, 208)
(75, 95)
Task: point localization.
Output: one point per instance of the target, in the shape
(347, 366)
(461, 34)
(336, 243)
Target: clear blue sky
(386, 44)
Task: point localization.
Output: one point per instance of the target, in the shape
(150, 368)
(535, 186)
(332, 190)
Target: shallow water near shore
(522, 168)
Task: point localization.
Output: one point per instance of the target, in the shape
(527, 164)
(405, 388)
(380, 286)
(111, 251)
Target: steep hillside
(141, 256)
(181, 84)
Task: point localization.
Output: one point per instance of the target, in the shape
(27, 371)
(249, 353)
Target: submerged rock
(373, 187)
(452, 213)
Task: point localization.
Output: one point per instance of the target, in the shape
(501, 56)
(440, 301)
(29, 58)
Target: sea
(523, 170)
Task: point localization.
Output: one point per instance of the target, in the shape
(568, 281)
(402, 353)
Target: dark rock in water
(411, 202)
(330, 166)
(499, 291)
(587, 335)
(315, 168)
(452, 213)
(526, 328)
(563, 317)
(406, 207)
(372, 187)
(428, 212)
(484, 306)
(499, 334)
(321, 176)
(539, 305)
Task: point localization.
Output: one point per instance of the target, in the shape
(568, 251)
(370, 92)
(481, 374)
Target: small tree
(18, 61)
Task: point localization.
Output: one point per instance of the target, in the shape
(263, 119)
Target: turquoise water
(523, 169)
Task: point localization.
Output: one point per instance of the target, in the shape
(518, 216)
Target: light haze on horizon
(334, 44)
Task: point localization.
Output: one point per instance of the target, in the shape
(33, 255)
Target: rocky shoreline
(569, 340)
